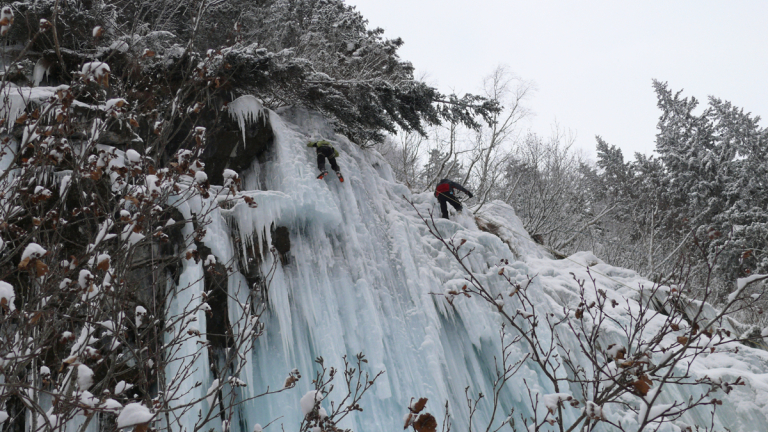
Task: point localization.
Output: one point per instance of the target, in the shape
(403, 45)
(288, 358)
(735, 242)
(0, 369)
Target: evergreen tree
(705, 192)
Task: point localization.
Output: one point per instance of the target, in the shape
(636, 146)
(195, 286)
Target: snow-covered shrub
(96, 219)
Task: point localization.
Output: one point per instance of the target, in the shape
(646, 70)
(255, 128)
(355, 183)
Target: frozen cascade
(361, 275)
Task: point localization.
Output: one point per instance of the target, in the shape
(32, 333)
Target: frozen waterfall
(361, 276)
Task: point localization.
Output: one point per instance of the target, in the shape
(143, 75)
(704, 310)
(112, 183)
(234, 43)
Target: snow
(130, 236)
(524, 314)
(33, 250)
(6, 14)
(615, 351)
(95, 69)
(307, 401)
(593, 410)
(201, 177)
(154, 185)
(257, 428)
(742, 283)
(7, 294)
(118, 103)
(133, 414)
(120, 45)
(141, 312)
(16, 99)
(40, 190)
(88, 399)
(111, 405)
(85, 278)
(212, 393)
(553, 400)
(655, 414)
(4, 417)
(84, 377)
(102, 258)
(230, 177)
(234, 381)
(121, 387)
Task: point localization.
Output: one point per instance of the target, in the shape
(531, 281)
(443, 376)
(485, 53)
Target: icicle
(246, 109)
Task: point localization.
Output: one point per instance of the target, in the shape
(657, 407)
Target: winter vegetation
(169, 261)
(699, 203)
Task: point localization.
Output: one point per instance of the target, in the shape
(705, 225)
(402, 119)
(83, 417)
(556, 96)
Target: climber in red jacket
(445, 195)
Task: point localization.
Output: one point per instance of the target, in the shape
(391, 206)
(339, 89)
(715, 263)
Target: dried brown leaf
(41, 269)
(290, 381)
(103, 265)
(425, 423)
(24, 263)
(620, 354)
(419, 405)
(96, 174)
(642, 385)
(35, 317)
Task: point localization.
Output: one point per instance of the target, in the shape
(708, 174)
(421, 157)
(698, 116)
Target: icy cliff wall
(361, 275)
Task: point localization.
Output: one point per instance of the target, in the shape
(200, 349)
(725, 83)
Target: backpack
(442, 188)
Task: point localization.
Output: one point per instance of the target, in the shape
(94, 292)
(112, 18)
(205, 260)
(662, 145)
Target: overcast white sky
(592, 61)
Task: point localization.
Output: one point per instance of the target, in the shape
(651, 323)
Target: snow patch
(7, 295)
(307, 401)
(84, 377)
(133, 414)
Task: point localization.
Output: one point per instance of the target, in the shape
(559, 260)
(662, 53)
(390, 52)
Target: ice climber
(445, 195)
(326, 150)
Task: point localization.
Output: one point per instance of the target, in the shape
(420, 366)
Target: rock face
(236, 149)
(281, 240)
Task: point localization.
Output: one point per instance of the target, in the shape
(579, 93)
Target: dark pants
(446, 199)
(323, 153)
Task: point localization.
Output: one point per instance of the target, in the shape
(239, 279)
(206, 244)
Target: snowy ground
(361, 277)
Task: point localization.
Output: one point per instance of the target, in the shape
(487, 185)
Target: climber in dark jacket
(445, 195)
(326, 150)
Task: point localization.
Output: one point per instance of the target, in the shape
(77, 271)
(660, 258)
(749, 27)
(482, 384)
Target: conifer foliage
(705, 192)
(351, 73)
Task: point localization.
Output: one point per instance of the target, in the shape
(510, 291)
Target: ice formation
(246, 109)
(361, 277)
